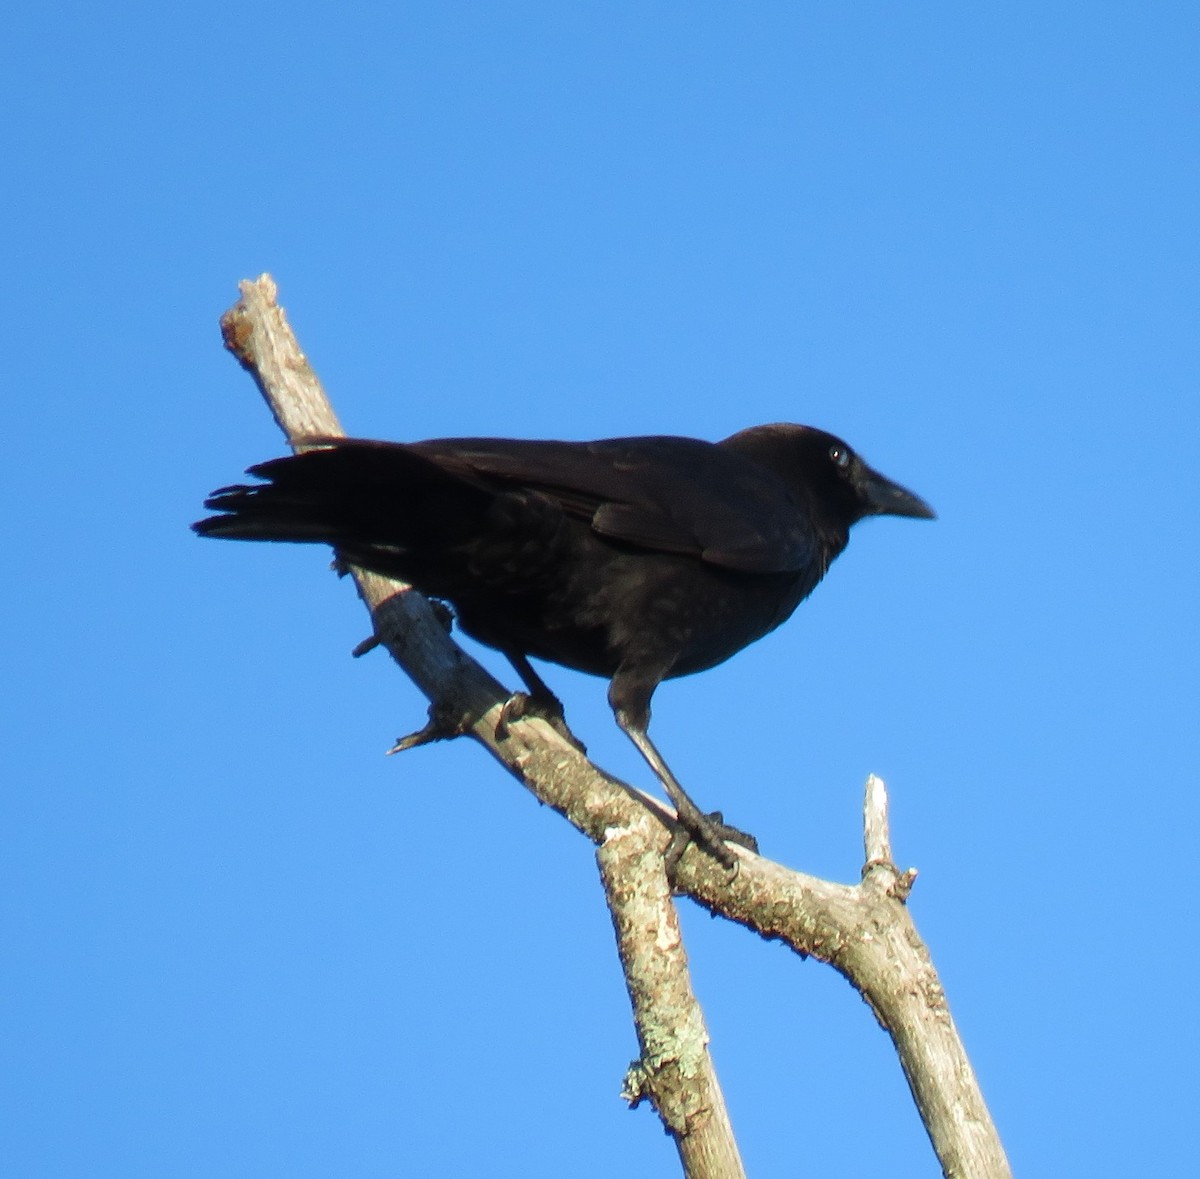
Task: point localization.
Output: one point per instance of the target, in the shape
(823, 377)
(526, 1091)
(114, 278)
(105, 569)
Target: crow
(635, 559)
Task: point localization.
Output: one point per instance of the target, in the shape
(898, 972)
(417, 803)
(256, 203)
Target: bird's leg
(630, 700)
(709, 831)
(539, 702)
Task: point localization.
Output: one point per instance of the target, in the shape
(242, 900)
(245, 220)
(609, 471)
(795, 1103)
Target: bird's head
(838, 486)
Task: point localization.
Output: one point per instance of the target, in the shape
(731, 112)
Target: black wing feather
(665, 494)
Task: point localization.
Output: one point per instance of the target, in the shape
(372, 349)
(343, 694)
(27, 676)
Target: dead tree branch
(675, 1070)
(864, 930)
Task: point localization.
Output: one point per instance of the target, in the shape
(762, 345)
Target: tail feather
(351, 494)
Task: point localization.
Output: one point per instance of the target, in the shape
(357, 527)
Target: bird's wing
(664, 494)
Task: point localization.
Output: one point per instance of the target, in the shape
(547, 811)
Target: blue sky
(238, 940)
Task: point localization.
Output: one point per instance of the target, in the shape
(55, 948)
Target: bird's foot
(546, 707)
(711, 834)
(445, 722)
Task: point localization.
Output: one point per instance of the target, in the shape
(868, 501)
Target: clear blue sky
(238, 940)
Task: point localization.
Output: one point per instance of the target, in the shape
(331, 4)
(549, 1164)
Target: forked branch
(864, 930)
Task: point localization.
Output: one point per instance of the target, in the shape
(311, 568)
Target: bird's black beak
(885, 498)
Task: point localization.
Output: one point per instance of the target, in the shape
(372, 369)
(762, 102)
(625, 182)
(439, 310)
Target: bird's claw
(711, 834)
(732, 834)
(548, 708)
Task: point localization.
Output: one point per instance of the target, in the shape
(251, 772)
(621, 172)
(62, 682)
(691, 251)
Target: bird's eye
(840, 456)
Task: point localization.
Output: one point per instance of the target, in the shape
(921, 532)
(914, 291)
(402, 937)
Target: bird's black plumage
(637, 559)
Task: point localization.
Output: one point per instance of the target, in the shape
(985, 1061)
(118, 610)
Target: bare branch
(863, 930)
(675, 1070)
(877, 838)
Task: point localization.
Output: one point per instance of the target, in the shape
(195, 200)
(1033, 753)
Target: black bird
(637, 559)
